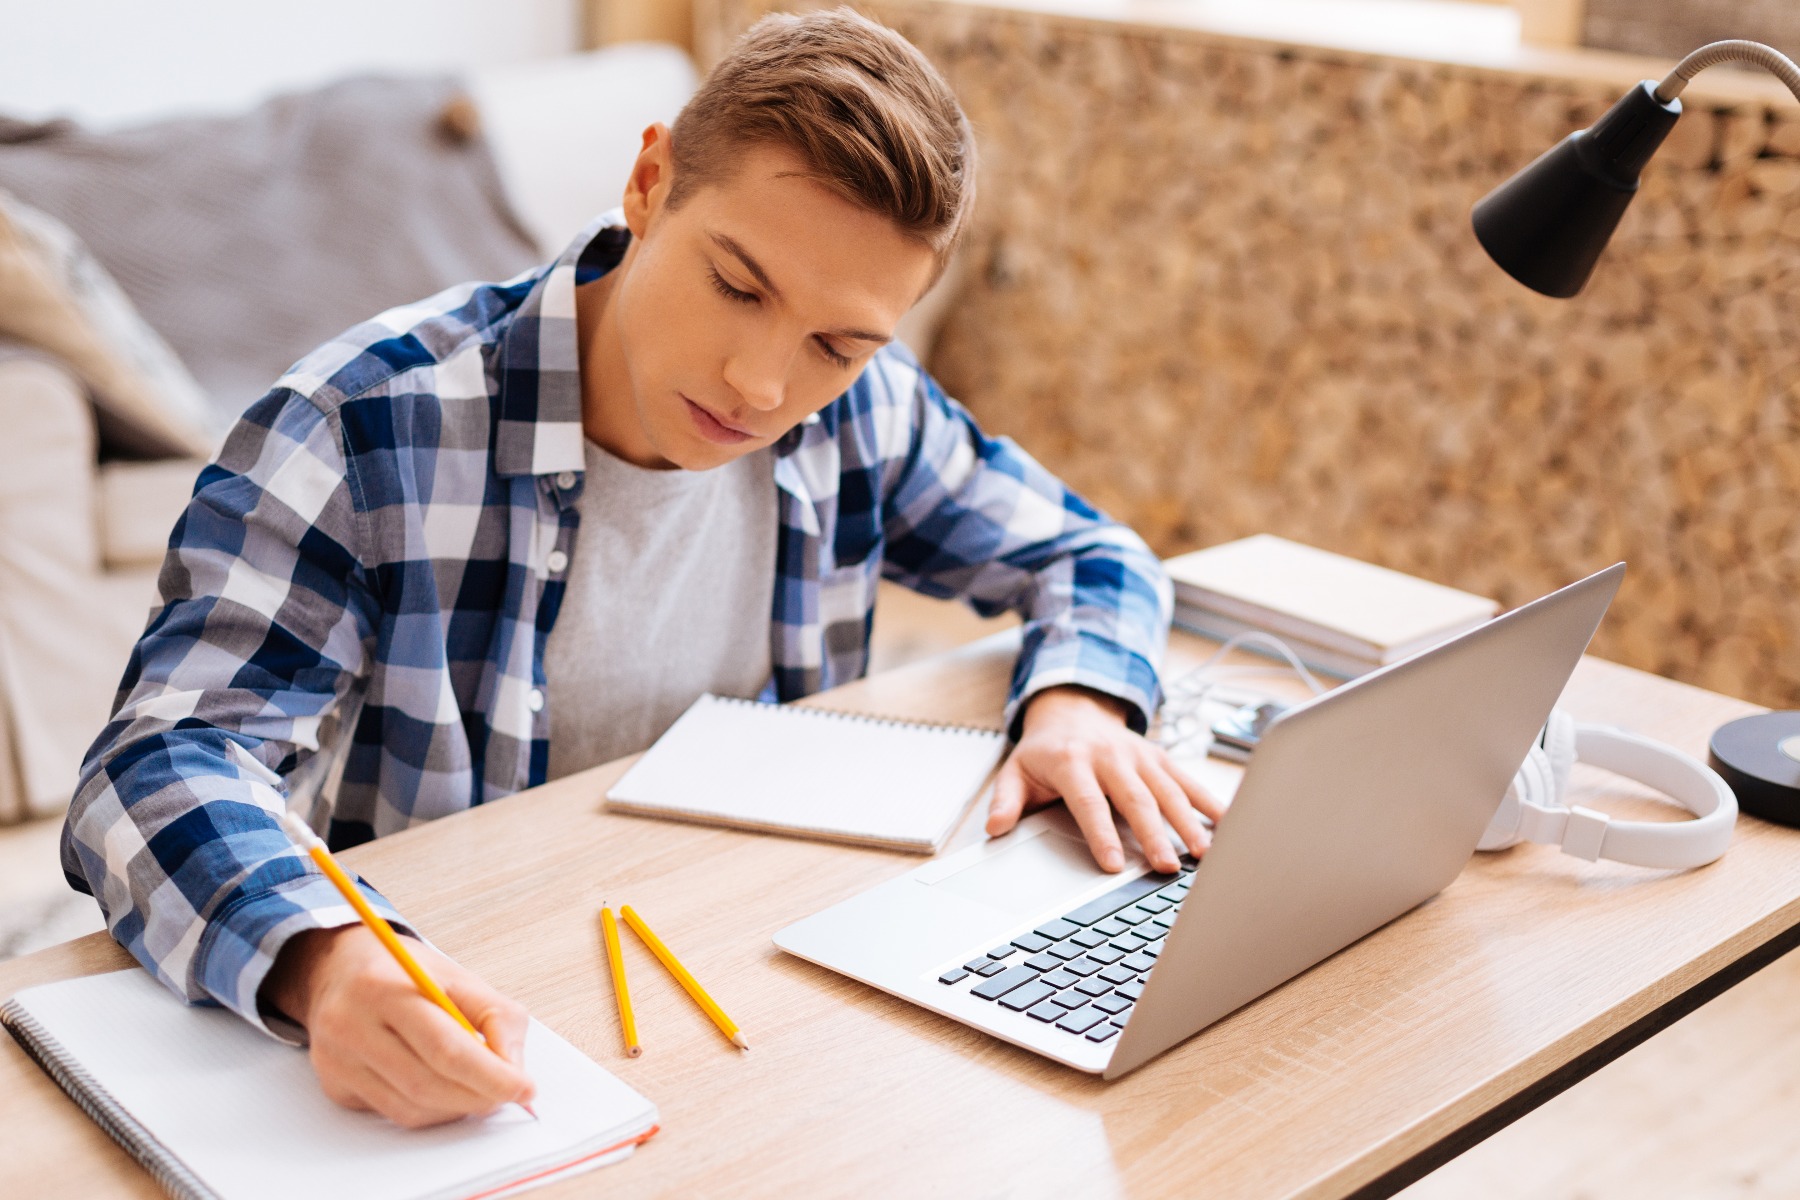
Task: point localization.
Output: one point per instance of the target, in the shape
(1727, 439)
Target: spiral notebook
(217, 1111)
(813, 773)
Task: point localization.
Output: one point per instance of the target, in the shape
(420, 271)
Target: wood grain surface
(1525, 963)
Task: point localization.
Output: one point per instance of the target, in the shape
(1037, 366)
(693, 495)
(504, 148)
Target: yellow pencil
(308, 841)
(616, 961)
(726, 1025)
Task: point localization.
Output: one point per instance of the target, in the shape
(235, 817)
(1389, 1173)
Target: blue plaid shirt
(365, 570)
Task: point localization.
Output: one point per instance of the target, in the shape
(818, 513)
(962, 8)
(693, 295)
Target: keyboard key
(1081, 1020)
(956, 976)
(1174, 893)
(1004, 982)
(1188, 862)
(1119, 1019)
(1061, 979)
(1101, 1032)
(1164, 921)
(1087, 938)
(1005, 951)
(989, 968)
(1139, 937)
(1106, 955)
(1023, 998)
(1055, 930)
(1116, 899)
(975, 964)
(1093, 987)
(1067, 950)
(1132, 915)
(1111, 927)
(1047, 1011)
(1043, 962)
(1156, 904)
(1112, 1004)
(1139, 962)
(1031, 943)
(1118, 974)
(1131, 991)
(1083, 966)
(1154, 949)
(1069, 999)
(1127, 944)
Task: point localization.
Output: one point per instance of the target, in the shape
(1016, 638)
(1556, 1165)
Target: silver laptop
(1357, 807)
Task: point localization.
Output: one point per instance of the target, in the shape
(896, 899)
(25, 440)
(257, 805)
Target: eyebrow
(731, 247)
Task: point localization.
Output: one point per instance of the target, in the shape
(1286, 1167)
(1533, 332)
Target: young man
(510, 532)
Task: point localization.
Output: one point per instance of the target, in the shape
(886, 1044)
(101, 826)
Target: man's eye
(831, 353)
(726, 290)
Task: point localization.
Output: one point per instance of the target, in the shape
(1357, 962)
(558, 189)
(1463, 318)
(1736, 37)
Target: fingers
(1072, 775)
(1009, 797)
(1175, 805)
(1197, 795)
(1119, 775)
(377, 1043)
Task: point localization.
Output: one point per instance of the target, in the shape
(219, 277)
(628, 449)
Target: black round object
(1760, 758)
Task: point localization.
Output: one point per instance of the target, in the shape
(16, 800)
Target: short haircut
(865, 111)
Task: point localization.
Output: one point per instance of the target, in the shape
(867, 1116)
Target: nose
(757, 372)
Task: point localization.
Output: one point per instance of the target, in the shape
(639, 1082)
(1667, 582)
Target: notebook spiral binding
(862, 718)
(48, 1053)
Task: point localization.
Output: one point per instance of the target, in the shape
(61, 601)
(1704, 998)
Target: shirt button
(565, 480)
(534, 699)
(558, 562)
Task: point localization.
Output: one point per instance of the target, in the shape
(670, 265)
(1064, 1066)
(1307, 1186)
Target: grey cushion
(246, 241)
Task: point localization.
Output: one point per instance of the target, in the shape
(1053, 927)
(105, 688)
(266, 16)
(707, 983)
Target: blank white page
(809, 771)
(246, 1114)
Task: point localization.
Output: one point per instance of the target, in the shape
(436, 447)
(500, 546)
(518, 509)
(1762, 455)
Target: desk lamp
(1546, 227)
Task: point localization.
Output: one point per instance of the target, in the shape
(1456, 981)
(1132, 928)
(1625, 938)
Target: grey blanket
(246, 241)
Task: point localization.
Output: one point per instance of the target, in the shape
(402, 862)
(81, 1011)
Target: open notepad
(812, 772)
(214, 1108)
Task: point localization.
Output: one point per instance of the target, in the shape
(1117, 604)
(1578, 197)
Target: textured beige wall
(1224, 287)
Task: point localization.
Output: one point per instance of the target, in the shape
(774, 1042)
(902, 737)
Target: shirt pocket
(846, 600)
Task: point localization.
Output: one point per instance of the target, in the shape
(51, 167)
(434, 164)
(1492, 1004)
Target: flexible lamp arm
(1754, 53)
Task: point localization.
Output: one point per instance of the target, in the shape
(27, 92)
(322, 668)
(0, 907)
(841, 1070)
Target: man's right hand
(378, 1044)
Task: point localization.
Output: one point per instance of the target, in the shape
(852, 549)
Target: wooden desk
(1529, 972)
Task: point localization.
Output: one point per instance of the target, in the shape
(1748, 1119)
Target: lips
(715, 428)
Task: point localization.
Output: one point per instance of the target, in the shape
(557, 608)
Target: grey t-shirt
(670, 588)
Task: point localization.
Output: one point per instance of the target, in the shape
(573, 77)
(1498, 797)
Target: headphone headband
(1534, 809)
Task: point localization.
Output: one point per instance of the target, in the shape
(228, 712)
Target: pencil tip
(737, 1039)
(530, 1110)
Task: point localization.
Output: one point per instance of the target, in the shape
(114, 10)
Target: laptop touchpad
(1028, 876)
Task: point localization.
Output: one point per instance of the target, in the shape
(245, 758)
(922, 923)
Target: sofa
(110, 407)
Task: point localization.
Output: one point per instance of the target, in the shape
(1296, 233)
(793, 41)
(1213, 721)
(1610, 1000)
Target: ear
(647, 190)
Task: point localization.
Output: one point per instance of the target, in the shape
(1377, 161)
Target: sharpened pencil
(667, 957)
(616, 960)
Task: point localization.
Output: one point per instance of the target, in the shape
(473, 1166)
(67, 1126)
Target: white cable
(1181, 721)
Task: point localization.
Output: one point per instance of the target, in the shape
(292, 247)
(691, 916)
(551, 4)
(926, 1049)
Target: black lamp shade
(1547, 225)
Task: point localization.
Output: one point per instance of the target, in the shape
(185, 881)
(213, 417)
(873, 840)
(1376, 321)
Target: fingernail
(1114, 861)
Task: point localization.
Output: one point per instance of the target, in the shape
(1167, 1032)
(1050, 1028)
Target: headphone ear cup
(1534, 784)
(1560, 744)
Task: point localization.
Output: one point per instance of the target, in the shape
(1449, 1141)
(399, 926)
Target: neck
(608, 405)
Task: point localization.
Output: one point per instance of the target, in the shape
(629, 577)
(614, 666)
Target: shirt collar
(539, 364)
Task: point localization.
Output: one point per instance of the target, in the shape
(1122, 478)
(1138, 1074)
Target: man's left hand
(1076, 745)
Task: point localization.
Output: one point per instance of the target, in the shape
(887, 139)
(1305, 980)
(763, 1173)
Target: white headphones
(1533, 809)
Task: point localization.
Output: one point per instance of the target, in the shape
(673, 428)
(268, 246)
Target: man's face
(745, 310)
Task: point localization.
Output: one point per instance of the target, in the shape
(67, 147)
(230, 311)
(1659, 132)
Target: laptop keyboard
(1082, 972)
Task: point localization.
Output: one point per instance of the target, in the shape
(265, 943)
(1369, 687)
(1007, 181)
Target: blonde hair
(865, 111)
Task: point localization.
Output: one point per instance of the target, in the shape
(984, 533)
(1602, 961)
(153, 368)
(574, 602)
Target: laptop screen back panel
(1360, 806)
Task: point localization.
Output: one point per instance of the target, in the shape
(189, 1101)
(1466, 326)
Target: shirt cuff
(241, 943)
(1084, 660)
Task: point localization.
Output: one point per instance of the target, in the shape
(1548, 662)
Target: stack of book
(1339, 615)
